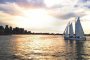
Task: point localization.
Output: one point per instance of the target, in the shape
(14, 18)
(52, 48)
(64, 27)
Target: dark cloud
(72, 14)
(24, 2)
(4, 1)
(12, 6)
(8, 8)
(83, 1)
(35, 3)
(88, 6)
(69, 15)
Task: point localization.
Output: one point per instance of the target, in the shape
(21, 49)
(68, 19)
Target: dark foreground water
(43, 47)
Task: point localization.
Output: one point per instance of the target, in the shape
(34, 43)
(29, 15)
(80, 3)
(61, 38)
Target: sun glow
(50, 3)
(33, 18)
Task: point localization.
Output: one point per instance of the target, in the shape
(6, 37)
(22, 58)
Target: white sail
(78, 29)
(79, 33)
(66, 32)
(71, 33)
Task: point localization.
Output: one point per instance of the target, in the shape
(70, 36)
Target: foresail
(66, 32)
(71, 33)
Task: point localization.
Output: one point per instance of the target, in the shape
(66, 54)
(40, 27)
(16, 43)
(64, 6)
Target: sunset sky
(44, 15)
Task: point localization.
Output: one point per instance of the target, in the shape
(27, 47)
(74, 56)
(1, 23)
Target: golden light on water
(38, 46)
(45, 47)
(38, 42)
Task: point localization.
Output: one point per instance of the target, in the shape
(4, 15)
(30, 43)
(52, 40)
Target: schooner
(79, 33)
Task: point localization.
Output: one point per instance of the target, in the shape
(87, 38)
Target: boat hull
(68, 38)
(82, 38)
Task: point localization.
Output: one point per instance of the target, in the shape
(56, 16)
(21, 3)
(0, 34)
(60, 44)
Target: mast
(78, 28)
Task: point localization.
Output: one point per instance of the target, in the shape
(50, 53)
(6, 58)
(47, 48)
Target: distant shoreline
(32, 34)
(38, 34)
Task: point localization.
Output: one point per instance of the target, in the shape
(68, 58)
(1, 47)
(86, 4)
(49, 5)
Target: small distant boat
(79, 33)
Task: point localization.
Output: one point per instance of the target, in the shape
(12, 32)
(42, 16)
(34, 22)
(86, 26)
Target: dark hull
(68, 38)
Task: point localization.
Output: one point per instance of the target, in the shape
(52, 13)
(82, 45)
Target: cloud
(83, 1)
(83, 4)
(87, 4)
(67, 12)
(24, 3)
(10, 9)
(4, 1)
(58, 11)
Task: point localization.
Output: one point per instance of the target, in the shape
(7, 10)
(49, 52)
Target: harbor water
(43, 47)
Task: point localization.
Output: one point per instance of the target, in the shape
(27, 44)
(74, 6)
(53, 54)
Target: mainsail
(78, 29)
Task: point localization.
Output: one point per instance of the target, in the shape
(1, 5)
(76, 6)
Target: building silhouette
(7, 30)
(1, 30)
(10, 30)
